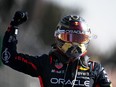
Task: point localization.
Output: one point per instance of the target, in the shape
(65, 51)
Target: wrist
(12, 29)
(14, 23)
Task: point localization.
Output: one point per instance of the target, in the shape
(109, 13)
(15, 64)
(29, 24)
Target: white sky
(100, 16)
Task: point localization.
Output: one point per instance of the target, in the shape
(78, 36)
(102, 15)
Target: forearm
(10, 41)
(9, 45)
(18, 61)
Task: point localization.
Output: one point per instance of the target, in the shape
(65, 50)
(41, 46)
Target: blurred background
(36, 35)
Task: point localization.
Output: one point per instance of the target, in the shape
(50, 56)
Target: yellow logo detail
(76, 23)
(84, 69)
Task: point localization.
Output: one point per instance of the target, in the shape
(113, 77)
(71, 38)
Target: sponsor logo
(76, 23)
(58, 81)
(83, 73)
(6, 55)
(74, 31)
(58, 65)
(57, 71)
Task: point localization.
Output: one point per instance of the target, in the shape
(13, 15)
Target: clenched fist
(19, 18)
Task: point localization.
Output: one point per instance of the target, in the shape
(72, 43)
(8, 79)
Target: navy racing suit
(49, 68)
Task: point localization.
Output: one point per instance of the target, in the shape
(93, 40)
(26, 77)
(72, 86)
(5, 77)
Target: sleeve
(102, 77)
(21, 62)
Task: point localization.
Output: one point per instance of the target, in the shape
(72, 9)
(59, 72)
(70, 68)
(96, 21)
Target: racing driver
(67, 65)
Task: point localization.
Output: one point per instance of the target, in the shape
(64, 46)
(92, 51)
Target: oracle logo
(85, 83)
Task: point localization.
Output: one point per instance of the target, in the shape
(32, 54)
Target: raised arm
(10, 57)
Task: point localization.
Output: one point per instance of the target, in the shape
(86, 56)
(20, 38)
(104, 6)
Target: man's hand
(19, 18)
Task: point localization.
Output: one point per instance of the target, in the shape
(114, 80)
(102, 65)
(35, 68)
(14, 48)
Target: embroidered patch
(6, 55)
(58, 65)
